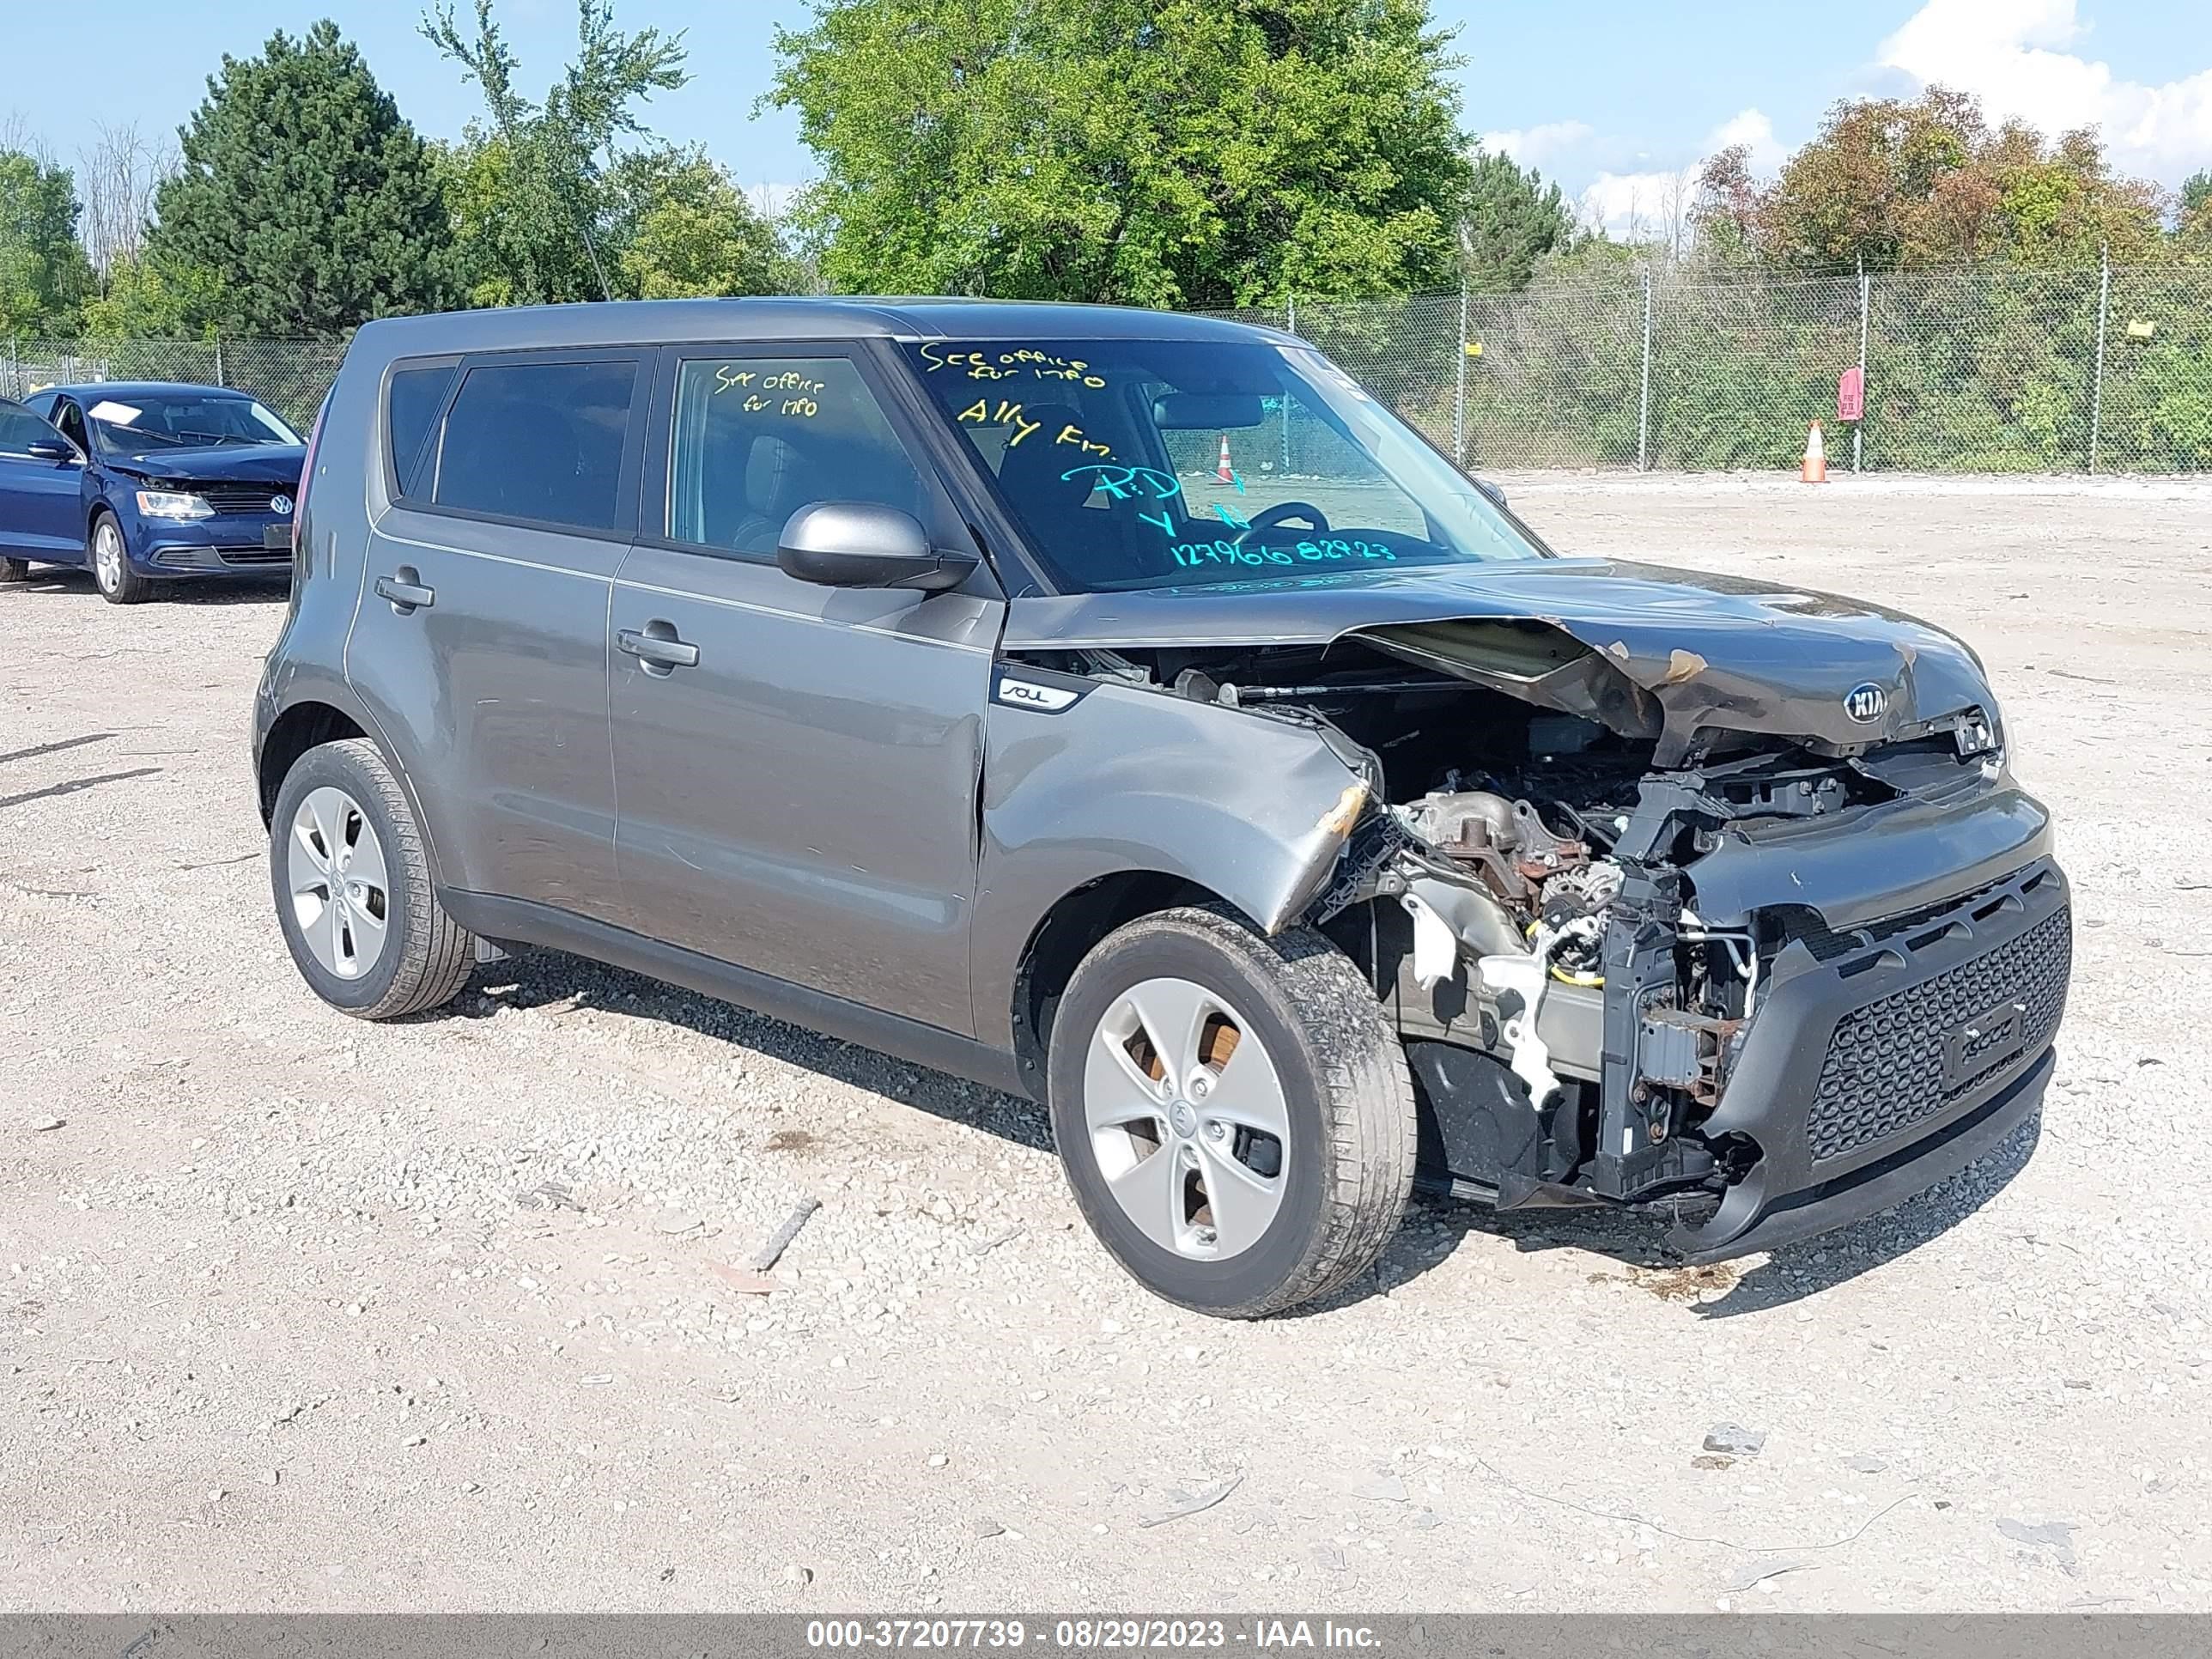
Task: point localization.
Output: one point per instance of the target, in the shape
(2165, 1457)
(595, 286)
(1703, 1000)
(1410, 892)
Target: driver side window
(20, 429)
(70, 421)
(756, 438)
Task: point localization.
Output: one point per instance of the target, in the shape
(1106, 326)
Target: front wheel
(351, 878)
(14, 570)
(112, 573)
(1233, 1112)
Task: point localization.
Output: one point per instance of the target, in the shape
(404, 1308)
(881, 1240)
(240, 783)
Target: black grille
(256, 555)
(1901, 1060)
(239, 498)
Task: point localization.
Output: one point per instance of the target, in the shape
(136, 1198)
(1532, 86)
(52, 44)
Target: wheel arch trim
(338, 700)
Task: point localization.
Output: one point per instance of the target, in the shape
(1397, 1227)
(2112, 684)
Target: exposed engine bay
(1523, 884)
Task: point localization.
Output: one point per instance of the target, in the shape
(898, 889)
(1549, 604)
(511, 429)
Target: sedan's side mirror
(862, 545)
(1496, 494)
(56, 448)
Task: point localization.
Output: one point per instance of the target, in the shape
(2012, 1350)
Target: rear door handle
(406, 592)
(657, 650)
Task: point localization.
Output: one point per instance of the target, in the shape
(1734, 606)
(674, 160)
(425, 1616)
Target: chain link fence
(1985, 370)
(290, 376)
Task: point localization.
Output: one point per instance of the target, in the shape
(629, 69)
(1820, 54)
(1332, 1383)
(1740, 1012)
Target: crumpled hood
(269, 464)
(1650, 651)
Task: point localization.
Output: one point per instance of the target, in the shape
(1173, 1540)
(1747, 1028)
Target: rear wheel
(1233, 1112)
(14, 570)
(351, 880)
(112, 573)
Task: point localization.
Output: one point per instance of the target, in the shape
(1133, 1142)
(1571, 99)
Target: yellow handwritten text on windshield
(1013, 363)
(1006, 414)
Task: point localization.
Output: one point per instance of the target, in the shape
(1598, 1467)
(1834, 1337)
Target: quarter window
(757, 438)
(540, 442)
(417, 395)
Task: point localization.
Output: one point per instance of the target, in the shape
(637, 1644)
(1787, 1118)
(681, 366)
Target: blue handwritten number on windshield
(1328, 550)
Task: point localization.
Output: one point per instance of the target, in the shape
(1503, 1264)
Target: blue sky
(1613, 100)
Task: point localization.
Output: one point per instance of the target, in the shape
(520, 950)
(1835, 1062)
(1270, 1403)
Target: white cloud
(2012, 57)
(1537, 146)
(1755, 133)
(1655, 205)
(1645, 206)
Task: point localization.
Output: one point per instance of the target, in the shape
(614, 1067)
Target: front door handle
(657, 647)
(405, 591)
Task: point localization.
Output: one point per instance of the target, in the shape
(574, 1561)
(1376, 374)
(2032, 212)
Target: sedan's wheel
(14, 570)
(112, 573)
(1233, 1111)
(352, 884)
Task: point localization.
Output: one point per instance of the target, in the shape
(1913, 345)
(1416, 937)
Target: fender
(1120, 778)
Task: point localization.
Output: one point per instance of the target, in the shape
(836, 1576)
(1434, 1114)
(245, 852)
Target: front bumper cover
(1884, 1060)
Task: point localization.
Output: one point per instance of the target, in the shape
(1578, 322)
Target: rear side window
(417, 395)
(542, 441)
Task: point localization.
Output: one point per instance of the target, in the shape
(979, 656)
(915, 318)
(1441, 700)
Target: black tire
(1347, 1163)
(128, 586)
(14, 570)
(426, 955)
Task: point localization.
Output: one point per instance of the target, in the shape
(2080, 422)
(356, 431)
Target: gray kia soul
(1128, 711)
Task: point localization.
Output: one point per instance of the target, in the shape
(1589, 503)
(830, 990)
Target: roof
(679, 322)
(143, 389)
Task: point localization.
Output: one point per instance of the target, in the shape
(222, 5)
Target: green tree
(1904, 186)
(1152, 152)
(1510, 219)
(690, 231)
(540, 195)
(148, 298)
(44, 273)
(307, 195)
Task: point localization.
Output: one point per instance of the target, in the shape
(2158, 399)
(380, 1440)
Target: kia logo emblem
(282, 504)
(1866, 703)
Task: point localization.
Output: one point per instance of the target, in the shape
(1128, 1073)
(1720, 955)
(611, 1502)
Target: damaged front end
(1695, 927)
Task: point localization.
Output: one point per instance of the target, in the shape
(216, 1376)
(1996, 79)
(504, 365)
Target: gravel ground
(297, 1313)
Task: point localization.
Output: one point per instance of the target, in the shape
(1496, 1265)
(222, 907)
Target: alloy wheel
(1187, 1119)
(107, 555)
(341, 893)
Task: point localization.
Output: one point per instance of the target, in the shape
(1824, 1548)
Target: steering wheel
(1271, 517)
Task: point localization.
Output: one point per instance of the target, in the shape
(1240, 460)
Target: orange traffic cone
(1815, 467)
(1224, 472)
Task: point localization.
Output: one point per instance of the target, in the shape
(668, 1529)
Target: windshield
(192, 421)
(1163, 464)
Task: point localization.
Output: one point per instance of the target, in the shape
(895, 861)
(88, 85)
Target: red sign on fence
(1851, 395)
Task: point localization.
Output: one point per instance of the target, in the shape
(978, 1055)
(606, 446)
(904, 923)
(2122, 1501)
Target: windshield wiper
(131, 436)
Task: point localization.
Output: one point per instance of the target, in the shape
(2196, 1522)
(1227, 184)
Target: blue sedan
(171, 482)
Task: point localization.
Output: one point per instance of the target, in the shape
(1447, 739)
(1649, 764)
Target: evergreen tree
(1512, 217)
(303, 190)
